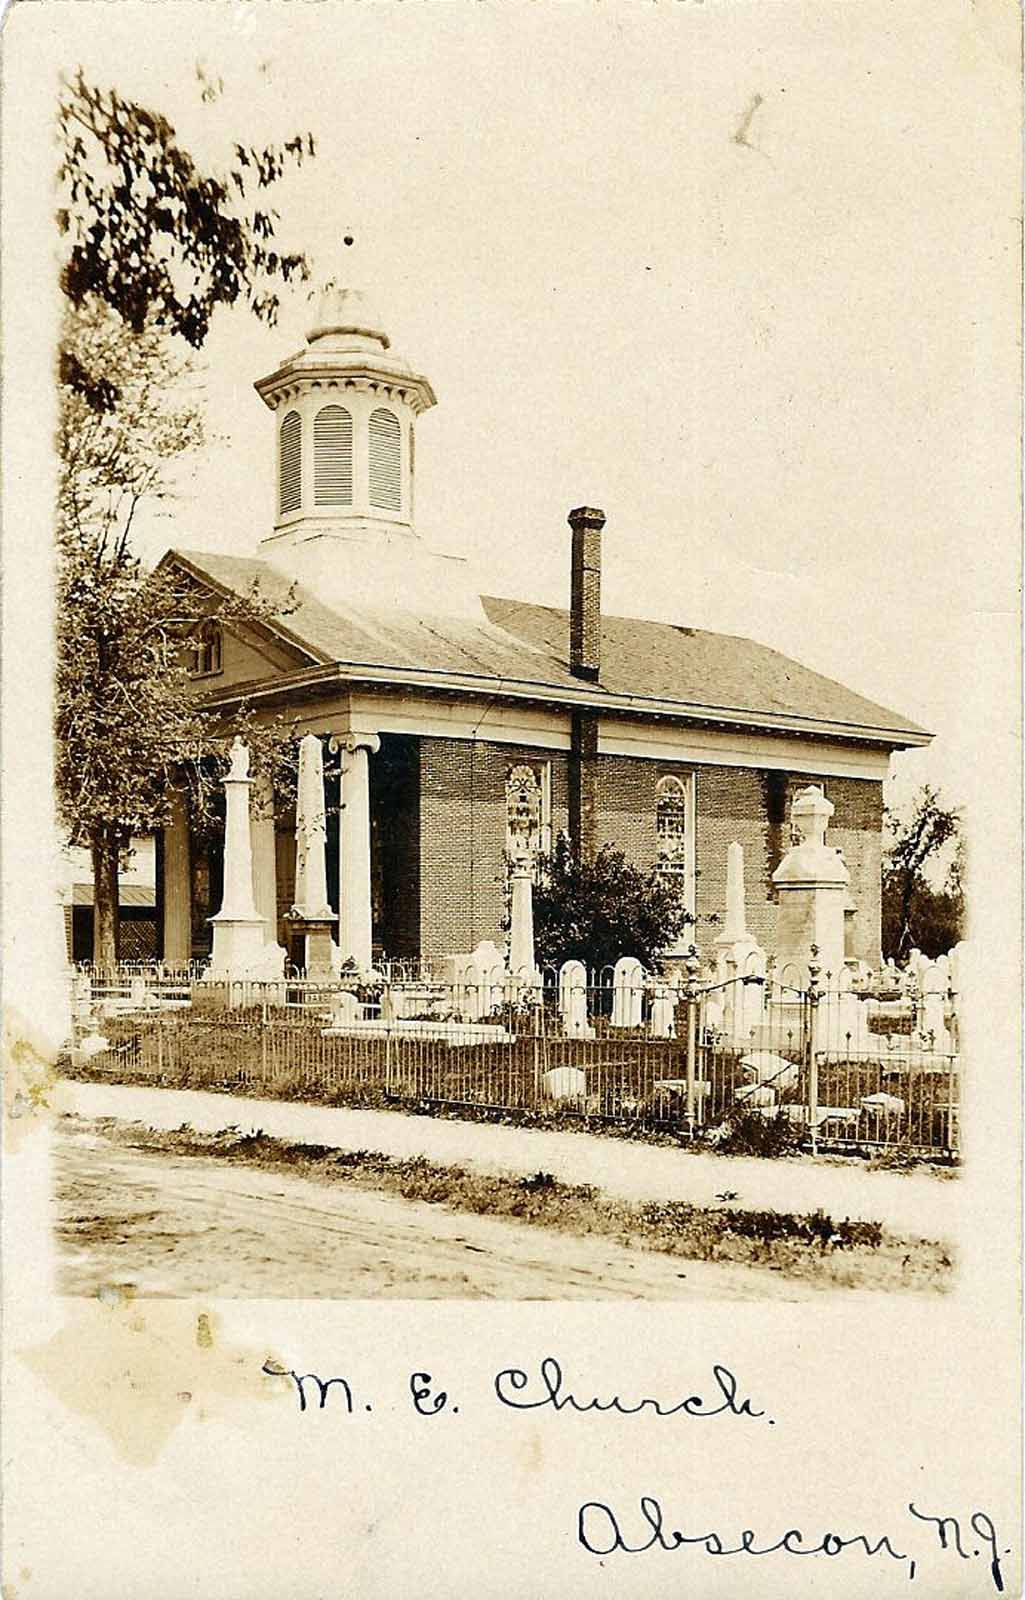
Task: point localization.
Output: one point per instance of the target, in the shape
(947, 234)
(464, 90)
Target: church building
(467, 724)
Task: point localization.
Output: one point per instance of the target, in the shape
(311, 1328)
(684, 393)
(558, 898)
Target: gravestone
(813, 885)
(663, 1012)
(627, 992)
(573, 1000)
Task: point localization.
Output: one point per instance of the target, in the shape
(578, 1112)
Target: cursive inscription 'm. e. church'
(519, 1389)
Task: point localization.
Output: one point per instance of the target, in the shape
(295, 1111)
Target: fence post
(813, 1048)
(263, 1042)
(693, 967)
(160, 1046)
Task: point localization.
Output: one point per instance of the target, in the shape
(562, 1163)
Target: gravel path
(185, 1226)
(916, 1204)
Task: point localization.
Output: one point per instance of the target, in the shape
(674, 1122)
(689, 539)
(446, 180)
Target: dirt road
(183, 1226)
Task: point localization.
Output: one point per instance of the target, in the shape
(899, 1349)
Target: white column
(355, 928)
(521, 924)
(177, 883)
(239, 932)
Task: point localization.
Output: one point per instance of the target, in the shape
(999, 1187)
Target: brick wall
(462, 835)
(439, 866)
(753, 807)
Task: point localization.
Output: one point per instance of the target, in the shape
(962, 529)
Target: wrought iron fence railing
(693, 1058)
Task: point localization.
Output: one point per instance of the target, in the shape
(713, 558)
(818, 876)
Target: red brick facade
(462, 836)
(753, 806)
(462, 822)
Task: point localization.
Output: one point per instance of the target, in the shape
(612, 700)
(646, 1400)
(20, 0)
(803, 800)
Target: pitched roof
(522, 650)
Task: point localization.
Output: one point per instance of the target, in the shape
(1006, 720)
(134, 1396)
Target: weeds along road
(189, 1225)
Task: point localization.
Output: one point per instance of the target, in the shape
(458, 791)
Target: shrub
(747, 1133)
(596, 911)
(540, 1180)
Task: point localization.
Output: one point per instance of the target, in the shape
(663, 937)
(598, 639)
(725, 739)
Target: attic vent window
(385, 461)
(332, 457)
(206, 651)
(291, 464)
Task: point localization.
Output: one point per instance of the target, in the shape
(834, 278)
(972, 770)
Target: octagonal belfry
(346, 409)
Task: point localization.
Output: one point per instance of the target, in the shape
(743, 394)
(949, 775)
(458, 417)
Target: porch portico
(355, 867)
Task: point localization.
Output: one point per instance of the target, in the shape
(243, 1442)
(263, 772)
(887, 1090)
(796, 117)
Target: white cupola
(345, 411)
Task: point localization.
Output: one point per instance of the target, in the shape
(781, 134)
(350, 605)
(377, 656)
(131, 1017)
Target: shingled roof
(521, 651)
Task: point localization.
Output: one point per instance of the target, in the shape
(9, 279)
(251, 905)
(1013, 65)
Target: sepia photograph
(493, 910)
(531, 509)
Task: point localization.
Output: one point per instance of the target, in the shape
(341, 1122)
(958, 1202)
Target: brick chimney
(585, 662)
(585, 593)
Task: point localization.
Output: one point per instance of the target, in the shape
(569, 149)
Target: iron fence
(693, 1058)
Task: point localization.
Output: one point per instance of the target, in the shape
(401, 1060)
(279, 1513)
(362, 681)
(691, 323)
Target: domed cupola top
(347, 406)
(347, 344)
(347, 311)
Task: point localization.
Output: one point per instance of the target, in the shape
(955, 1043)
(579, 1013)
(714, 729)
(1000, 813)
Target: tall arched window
(671, 827)
(332, 457)
(522, 811)
(290, 458)
(674, 831)
(528, 811)
(385, 461)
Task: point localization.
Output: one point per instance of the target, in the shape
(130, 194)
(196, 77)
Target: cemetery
(368, 934)
(847, 1056)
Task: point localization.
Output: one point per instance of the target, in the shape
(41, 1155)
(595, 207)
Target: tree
(596, 911)
(129, 727)
(152, 235)
(919, 912)
(154, 246)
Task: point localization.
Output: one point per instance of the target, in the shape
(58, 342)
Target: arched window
(206, 651)
(332, 457)
(671, 826)
(528, 810)
(290, 473)
(385, 461)
(674, 831)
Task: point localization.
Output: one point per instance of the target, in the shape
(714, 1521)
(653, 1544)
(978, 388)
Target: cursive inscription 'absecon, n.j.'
(603, 1531)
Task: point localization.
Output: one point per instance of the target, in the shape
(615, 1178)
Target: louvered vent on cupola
(332, 457)
(385, 461)
(291, 464)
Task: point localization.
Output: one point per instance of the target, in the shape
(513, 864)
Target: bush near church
(597, 911)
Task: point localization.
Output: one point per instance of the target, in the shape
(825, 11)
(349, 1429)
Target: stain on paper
(137, 1369)
(30, 1081)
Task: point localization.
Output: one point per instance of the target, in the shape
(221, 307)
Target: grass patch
(813, 1247)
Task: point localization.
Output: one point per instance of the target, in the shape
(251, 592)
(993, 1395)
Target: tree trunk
(105, 896)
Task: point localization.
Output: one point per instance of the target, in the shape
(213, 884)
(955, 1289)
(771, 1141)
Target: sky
(745, 276)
